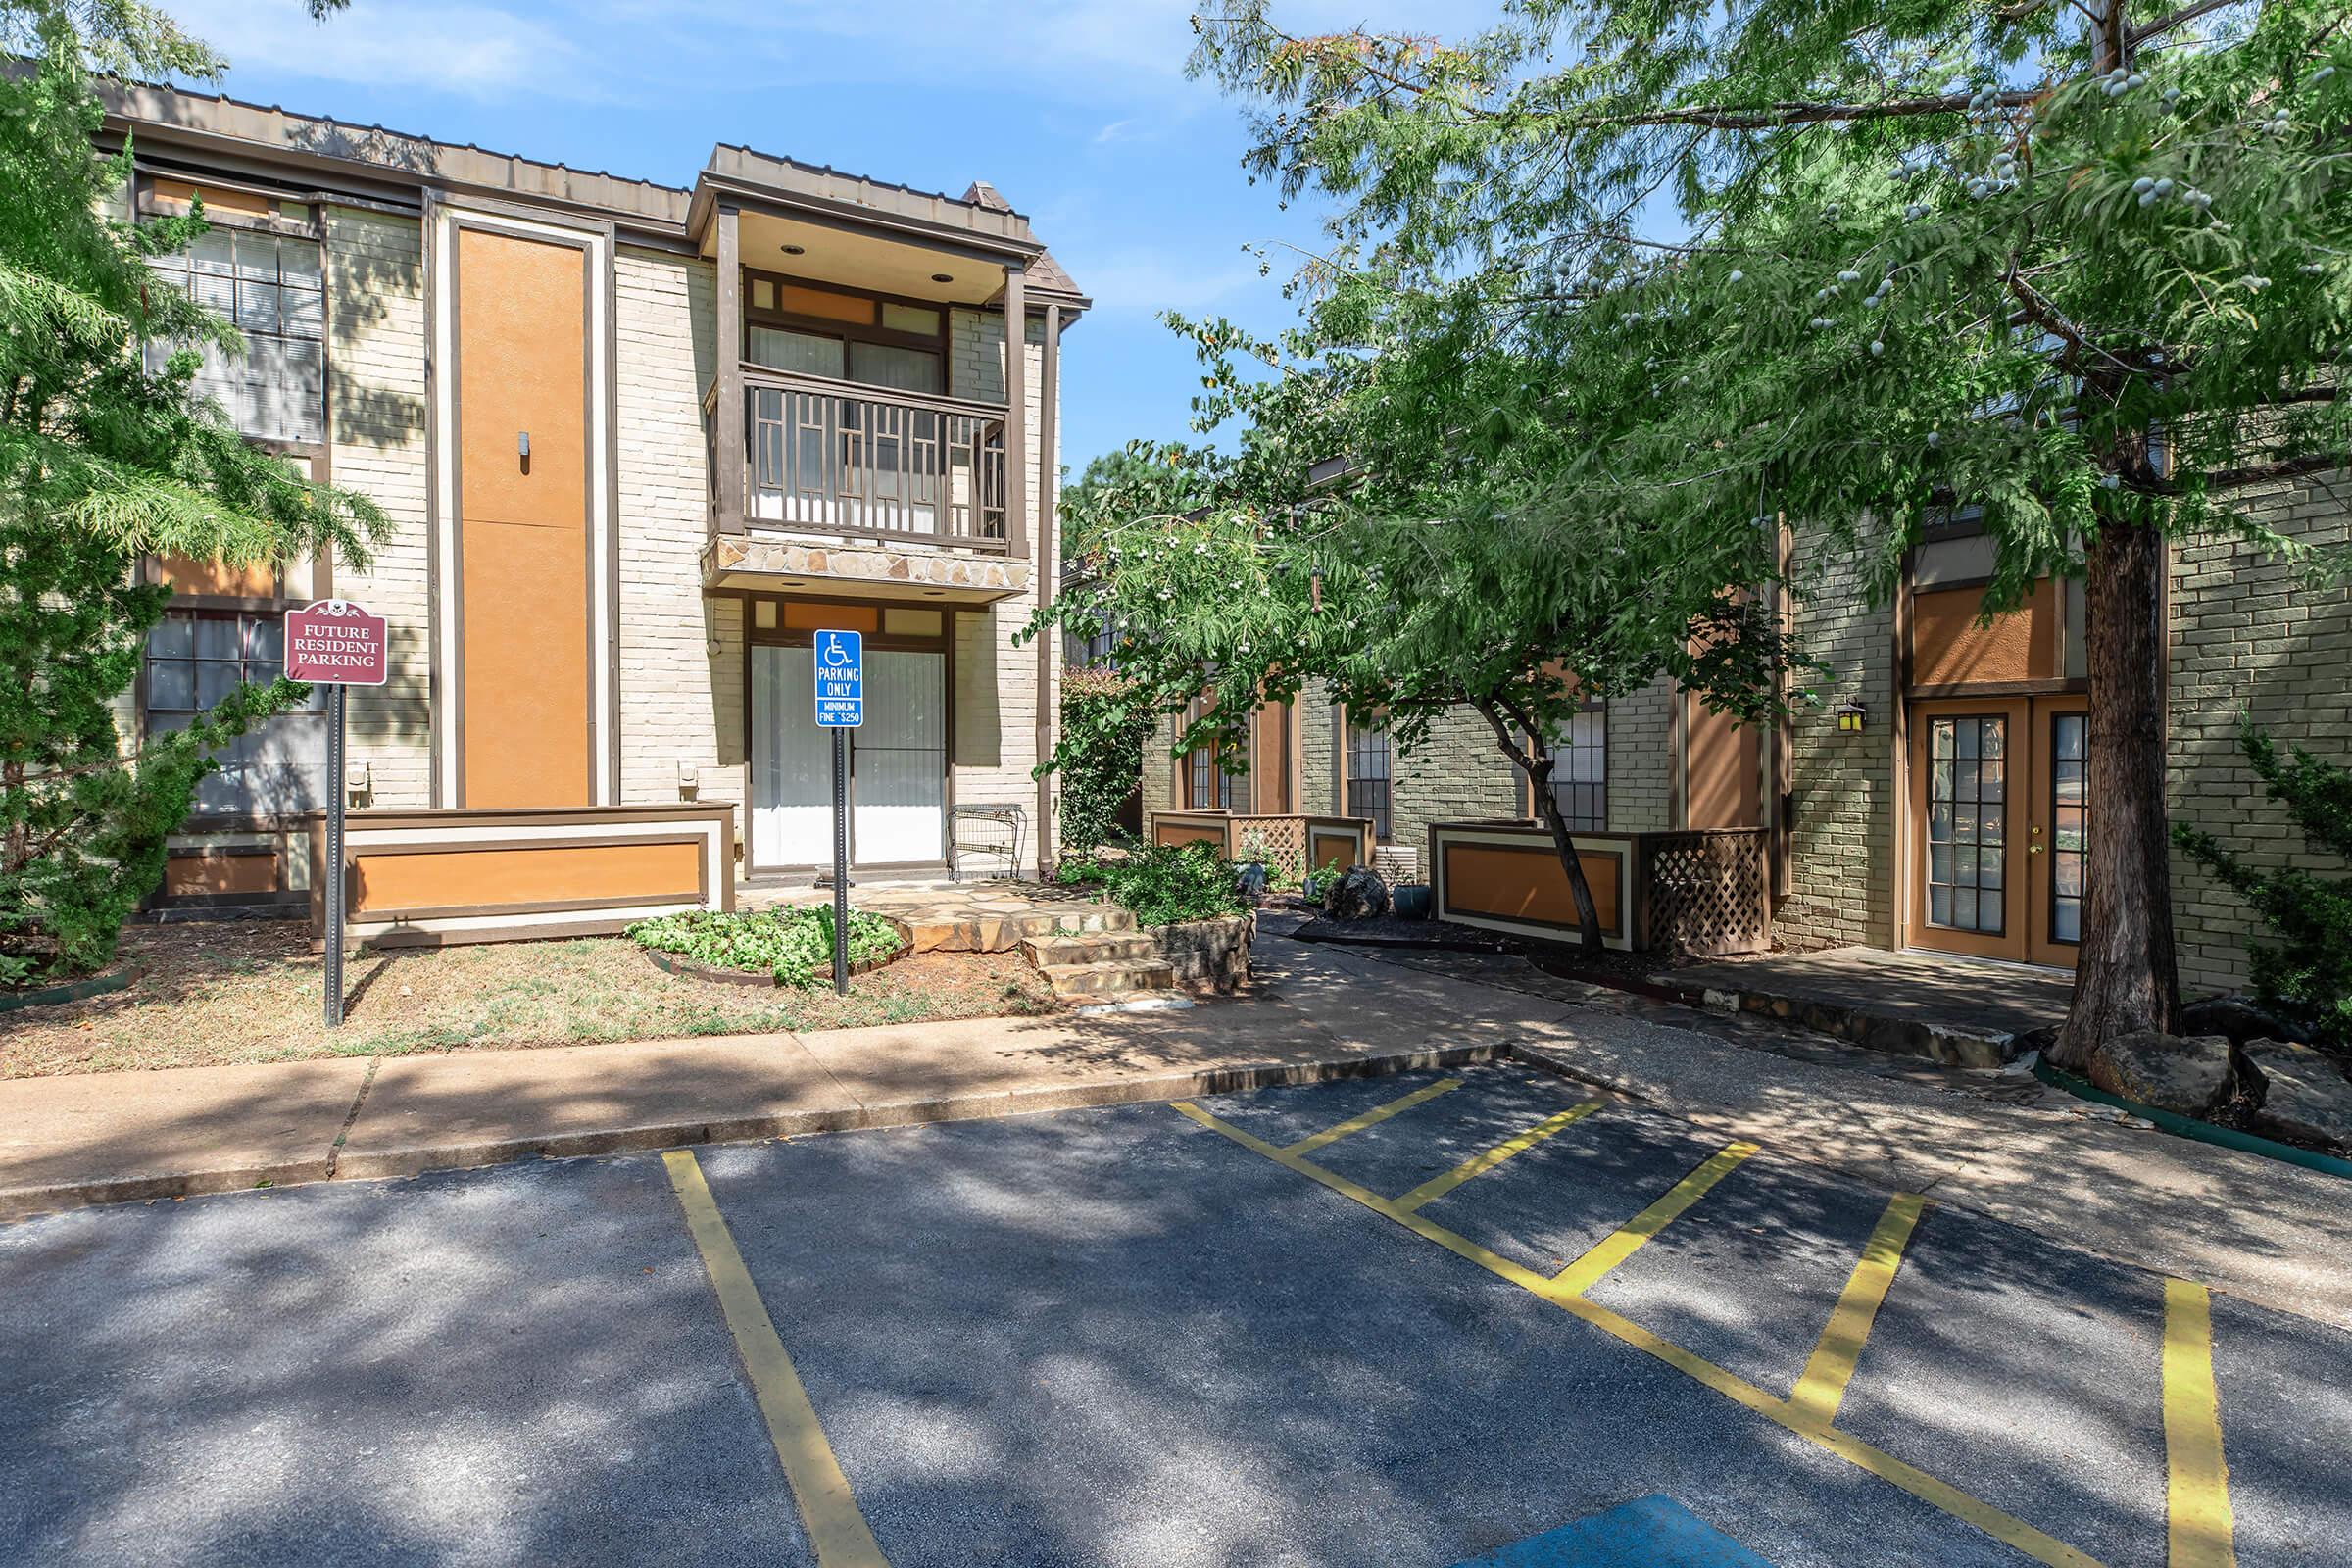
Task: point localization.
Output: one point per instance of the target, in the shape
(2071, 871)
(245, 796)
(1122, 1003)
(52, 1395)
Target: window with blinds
(195, 659)
(272, 287)
(1580, 770)
(1371, 768)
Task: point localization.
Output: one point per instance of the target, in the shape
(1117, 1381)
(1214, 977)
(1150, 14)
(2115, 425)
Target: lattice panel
(1706, 892)
(1278, 840)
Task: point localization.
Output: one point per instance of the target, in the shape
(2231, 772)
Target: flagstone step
(1112, 977)
(1097, 947)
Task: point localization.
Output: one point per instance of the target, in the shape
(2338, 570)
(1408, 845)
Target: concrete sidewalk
(2271, 1231)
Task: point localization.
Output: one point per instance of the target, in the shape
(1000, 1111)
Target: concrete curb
(22, 1203)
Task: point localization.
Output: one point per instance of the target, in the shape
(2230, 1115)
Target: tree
(107, 455)
(1459, 567)
(2086, 267)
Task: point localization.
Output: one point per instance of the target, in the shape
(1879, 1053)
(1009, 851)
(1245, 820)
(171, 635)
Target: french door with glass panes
(1999, 821)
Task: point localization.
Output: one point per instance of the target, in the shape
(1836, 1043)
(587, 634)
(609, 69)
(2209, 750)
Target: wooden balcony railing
(821, 456)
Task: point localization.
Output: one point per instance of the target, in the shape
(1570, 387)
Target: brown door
(1998, 814)
(2057, 841)
(1965, 874)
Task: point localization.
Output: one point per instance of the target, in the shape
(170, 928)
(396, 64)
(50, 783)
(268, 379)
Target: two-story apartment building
(1934, 798)
(637, 442)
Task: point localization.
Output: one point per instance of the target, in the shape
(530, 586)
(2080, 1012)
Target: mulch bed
(251, 991)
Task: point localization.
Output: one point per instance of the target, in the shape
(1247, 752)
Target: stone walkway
(1952, 1010)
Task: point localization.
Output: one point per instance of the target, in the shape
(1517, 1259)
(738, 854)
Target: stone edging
(686, 968)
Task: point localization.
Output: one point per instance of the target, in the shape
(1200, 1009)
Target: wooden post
(1017, 413)
(727, 485)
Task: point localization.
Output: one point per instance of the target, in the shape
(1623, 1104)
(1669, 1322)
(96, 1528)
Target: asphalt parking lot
(1479, 1316)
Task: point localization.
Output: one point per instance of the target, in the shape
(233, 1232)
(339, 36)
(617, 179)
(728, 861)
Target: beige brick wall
(1841, 884)
(2249, 635)
(1642, 760)
(997, 693)
(681, 697)
(375, 405)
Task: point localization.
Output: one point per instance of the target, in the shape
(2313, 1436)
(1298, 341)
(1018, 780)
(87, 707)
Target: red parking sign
(336, 641)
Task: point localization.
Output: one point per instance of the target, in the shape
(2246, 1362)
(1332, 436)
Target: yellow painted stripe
(1374, 1117)
(1437, 1187)
(2204, 1529)
(1615, 1248)
(836, 1529)
(1853, 1451)
(1821, 1389)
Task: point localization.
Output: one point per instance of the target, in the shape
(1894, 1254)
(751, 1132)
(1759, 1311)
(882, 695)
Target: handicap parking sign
(840, 680)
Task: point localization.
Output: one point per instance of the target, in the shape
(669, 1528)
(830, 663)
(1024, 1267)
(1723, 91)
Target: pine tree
(104, 459)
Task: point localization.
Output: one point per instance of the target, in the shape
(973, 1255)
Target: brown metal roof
(382, 159)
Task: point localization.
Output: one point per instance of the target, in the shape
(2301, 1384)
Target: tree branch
(1727, 117)
(2165, 24)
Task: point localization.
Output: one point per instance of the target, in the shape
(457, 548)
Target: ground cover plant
(1163, 885)
(249, 991)
(795, 945)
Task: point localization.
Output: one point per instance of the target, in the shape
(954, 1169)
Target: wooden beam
(728, 485)
(1016, 414)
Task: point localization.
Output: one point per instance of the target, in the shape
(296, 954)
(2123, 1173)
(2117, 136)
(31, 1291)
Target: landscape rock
(2305, 1095)
(1211, 955)
(2185, 1074)
(1358, 895)
(2241, 1018)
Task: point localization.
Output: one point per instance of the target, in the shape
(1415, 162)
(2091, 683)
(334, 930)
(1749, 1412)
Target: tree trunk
(1532, 760)
(1563, 843)
(2124, 973)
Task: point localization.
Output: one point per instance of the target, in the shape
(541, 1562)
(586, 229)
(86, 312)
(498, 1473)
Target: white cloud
(479, 51)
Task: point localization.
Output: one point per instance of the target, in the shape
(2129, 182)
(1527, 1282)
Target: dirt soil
(252, 991)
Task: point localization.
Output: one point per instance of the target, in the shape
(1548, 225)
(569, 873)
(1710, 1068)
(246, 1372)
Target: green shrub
(1099, 756)
(1318, 882)
(1163, 885)
(795, 945)
(2304, 966)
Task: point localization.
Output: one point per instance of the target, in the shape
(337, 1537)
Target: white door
(791, 762)
(898, 795)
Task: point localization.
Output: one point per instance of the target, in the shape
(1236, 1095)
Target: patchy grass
(251, 991)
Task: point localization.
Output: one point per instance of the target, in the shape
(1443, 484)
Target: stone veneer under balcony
(866, 570)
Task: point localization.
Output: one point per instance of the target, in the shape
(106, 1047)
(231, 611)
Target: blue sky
(1077, 110)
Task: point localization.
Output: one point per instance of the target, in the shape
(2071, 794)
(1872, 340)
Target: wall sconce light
(1851, 718)
(690, 780)
(359, 782)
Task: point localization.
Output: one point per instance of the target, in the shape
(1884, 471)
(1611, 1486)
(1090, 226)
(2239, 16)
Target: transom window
(1580, 770)
(195, 659)
(843, 337)
(1371, 770)
(272, 287)
(1968, 770)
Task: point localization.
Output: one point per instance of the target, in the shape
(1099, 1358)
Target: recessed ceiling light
(941, 277)
(796, 250)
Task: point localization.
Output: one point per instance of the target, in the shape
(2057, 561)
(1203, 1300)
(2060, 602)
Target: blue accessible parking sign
(840, 680)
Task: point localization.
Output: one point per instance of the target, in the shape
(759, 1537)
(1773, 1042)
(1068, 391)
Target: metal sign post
(337, 644)
(841, 707)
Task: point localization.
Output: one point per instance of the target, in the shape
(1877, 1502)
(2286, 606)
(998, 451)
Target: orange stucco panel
(523, 531)
(1723, 769)
(228, 579)
(1949, 648)
(385, 885)
(1504, 882)
(201, 873)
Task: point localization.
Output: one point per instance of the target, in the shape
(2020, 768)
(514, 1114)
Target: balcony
(821, 458)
